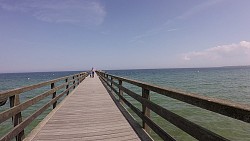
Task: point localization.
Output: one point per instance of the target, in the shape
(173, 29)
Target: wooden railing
(227, 108)
(16, 107)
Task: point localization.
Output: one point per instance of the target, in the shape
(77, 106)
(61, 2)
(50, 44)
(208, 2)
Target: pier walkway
(88, 113)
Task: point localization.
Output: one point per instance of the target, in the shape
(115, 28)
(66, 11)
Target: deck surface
(87, 114)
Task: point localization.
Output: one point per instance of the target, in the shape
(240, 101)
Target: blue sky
(61, 35)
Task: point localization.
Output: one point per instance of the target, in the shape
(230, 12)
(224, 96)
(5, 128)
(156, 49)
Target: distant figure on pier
(92, 73)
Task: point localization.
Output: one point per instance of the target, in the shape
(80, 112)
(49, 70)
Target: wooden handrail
(224, 107)
(14, 112)
(8, 93)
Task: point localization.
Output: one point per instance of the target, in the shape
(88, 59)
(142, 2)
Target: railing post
(54, 94)
(145, 110)
(74, 82)
(78, 79)
(111, 83)
(120, 92)
(84, 76)
(17, 119)
(67, 86)
(107, 79)
(81, 78)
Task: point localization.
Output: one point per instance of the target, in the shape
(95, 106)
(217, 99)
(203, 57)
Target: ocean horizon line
(238, 66)
(163, 68)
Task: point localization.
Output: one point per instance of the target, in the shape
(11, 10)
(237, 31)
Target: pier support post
(54, 94)
(145, 110)
(17, 119)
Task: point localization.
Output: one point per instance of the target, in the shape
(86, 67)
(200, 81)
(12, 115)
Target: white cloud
(88, 12)
(186, 58)
(221, 55)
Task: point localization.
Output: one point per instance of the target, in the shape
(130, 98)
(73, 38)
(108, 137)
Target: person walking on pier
(92, 73)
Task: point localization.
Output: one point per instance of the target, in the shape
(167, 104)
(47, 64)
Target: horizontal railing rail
(16, 107)
(231, 109)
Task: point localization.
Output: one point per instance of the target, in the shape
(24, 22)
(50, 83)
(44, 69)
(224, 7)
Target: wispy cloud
(197, 8)
(152, 32)
(185, 15)
(224, 54)
(88, 12)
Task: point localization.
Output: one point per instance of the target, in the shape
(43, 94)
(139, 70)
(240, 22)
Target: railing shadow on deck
(16, 107)
(227, 108)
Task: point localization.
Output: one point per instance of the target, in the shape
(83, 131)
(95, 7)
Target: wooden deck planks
(87, 114)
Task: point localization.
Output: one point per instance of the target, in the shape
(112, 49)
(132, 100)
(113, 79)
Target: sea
(228, 83)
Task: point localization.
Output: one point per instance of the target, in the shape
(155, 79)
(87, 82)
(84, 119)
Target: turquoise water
(16, 80)
(225, 83)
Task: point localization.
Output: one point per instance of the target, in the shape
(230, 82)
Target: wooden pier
(86, 114)
(90, 111)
